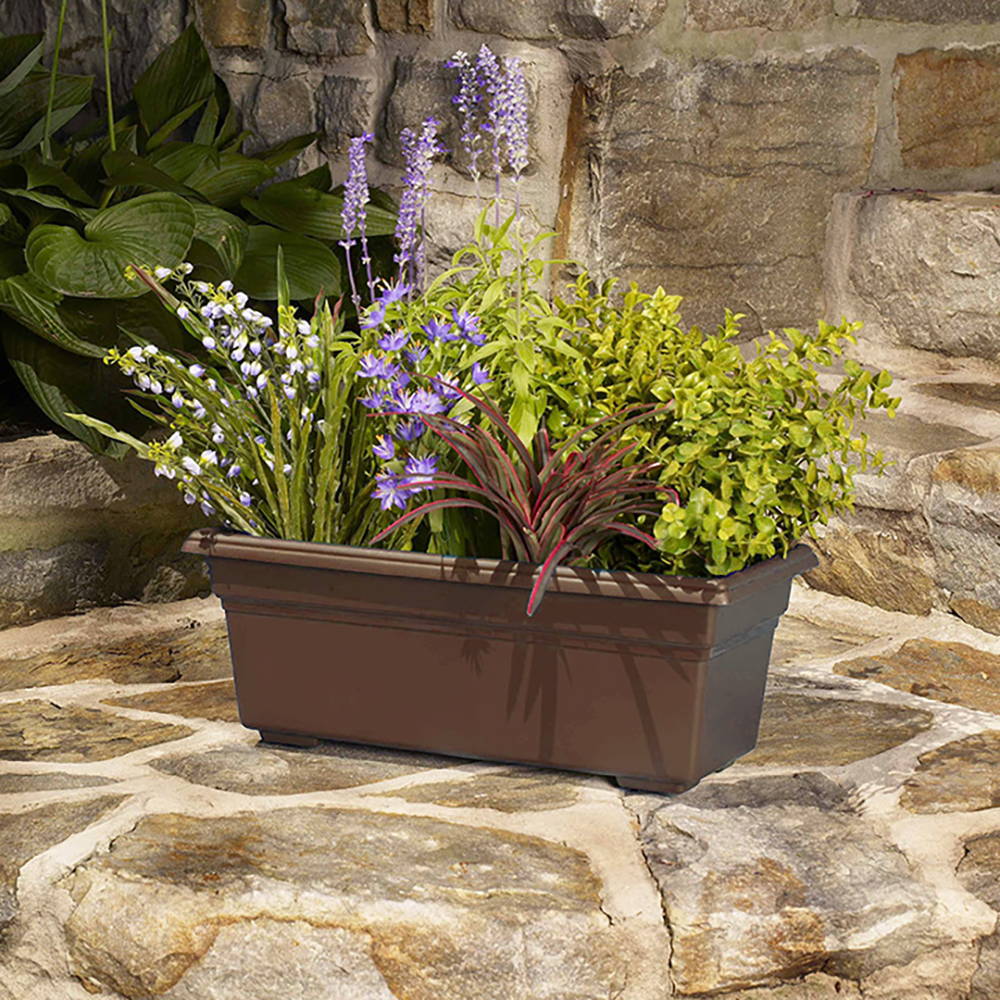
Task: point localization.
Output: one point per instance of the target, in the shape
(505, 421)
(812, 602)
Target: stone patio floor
(149, 847)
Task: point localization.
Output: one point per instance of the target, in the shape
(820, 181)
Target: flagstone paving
(150, 846)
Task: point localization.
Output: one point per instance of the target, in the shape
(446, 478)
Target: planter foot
(288, 739)
(652, 785)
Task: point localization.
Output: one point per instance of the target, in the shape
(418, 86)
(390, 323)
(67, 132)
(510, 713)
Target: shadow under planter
(655, 681)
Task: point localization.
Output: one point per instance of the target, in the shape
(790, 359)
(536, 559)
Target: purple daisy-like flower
(468, 327)
(446, 388)
(410, 430)
(416, 355)
(385, 448)
(372, 366)
(374, 400)
(391, 490)
(420, 470)
(438, 329)
(425, 401)
(395, 293)
(374, 317)
(480, 375)
(394, 341)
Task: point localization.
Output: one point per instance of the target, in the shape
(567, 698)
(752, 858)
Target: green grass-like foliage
(550, 504)
(282, 450)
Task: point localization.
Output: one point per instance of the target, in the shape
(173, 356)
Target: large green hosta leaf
(36, 307)
(223, 234)
(314, 213)
(234, 175)
(19, 54)
(181, 76)
(22, 110)
(310, 267)
(152, 229)
(62, 383)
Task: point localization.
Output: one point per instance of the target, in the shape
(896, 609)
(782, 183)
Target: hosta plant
(167, 177)
(549, 504)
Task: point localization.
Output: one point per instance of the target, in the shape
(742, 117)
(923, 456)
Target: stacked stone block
(787, 159)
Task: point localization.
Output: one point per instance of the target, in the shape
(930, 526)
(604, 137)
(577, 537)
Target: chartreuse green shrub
(759, 449)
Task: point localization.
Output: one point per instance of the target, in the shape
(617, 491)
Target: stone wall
(784, 158)
(77, 530)
(707, 139)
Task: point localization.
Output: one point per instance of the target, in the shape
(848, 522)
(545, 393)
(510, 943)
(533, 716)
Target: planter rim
(216, 543)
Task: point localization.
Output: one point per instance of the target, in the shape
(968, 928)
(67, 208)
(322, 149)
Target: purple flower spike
(467, 102)
(480, 375)
(516, 115)
(394, 341)
(385, 449)
(353, 214)
(491, 78)
(418, 153)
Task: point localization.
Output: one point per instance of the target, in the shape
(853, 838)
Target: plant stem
(106, 41)
(46, 138)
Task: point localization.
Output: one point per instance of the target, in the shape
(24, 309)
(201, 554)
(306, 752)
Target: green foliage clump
(163, 179)
(760, 446)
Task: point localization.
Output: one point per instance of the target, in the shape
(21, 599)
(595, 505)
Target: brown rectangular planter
(656, 681)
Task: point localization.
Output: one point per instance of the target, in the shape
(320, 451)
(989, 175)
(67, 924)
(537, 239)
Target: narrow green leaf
(19, 54)
(179, 76)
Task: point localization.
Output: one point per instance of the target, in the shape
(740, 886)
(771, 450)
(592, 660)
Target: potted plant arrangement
(493, 522)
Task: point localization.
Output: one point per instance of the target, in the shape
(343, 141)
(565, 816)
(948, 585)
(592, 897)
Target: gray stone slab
(961, 776)
(799, 883)
(952, 672)
(12, 784)
(418, 907)
(267, 770)
(215, 700)
(811, 731)
(697, 151)
(42, 730)
(26, 834)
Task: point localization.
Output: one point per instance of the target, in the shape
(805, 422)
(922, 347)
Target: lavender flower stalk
(515, 112)
(418, 153)
(353, 214)
(467, 100)
(490, 77)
